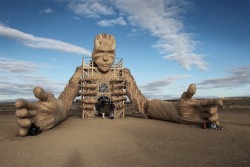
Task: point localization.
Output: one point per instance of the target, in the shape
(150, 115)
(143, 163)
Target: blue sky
(166, 44)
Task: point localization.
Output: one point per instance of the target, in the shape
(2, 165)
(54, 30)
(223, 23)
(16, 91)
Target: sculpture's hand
(193, 110)
(46, 113)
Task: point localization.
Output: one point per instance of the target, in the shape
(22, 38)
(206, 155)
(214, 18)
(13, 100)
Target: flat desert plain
(132, 141)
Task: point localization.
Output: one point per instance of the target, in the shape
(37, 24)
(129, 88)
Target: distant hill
(7, 101)
(14, 100)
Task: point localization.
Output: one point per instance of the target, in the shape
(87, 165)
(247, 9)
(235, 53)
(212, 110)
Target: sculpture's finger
(214, 118)
(24, 122)
(213, 110)
(23, 131)
(20, 103)
(24, 113)
(40, 94)
(191, 90)
(219, 103)
(217, 123)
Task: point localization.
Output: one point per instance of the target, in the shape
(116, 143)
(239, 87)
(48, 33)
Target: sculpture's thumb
(40, 94)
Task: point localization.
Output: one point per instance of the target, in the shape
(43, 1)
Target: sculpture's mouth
(105, 65)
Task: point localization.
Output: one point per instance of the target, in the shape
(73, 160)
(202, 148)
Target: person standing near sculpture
(103, 109)
(111, 110)
(48, 111)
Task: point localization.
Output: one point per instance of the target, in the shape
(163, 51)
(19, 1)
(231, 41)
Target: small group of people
(106, 108)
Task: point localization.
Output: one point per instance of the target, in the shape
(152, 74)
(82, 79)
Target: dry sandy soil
(132, 141)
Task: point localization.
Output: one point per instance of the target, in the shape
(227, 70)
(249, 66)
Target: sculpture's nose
(105, 57)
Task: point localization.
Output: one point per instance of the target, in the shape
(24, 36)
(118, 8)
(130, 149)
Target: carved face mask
(104, 52)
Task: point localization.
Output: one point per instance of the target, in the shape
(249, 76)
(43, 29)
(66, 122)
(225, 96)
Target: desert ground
(132, 141)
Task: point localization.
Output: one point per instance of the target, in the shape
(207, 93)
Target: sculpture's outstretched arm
(186, 109)
(48, 111)
(71, 90)
(134, 94)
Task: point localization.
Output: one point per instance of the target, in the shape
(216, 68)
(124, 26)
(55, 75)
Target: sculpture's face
(104, 52)
(191, 90)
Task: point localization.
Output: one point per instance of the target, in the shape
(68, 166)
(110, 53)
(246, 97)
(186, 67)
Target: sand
(132, 141)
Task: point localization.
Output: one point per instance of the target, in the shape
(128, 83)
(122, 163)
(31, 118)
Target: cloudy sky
(166, 44)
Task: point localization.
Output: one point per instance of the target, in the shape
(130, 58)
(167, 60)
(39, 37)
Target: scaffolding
(97, 86)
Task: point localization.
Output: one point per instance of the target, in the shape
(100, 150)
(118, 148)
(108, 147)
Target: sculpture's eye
(111, 51)
(99, 51)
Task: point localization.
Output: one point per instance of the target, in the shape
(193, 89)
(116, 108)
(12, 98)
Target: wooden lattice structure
(96, 86)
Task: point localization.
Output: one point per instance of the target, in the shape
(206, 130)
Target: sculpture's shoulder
(126, 70)
(127, 73)
(128, 76)
(79, 68)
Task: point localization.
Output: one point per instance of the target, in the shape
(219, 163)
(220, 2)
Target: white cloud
(238, 77)
(160, 84)
(17, 66)
(134, 30)
(162, 19)
(47, 11)
(109, 23)
(14, 75)
(76, 18)
(156, 88)
(42, 43)
(89, 9)
(16, 86)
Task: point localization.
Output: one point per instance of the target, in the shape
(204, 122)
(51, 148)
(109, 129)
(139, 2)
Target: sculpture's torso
(97, 86)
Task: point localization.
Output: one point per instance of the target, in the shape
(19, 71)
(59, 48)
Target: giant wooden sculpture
(103, 78)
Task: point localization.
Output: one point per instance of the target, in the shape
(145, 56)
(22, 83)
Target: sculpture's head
(191, 90)
(103, 54)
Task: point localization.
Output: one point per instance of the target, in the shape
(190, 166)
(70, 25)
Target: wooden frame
(95, 85)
